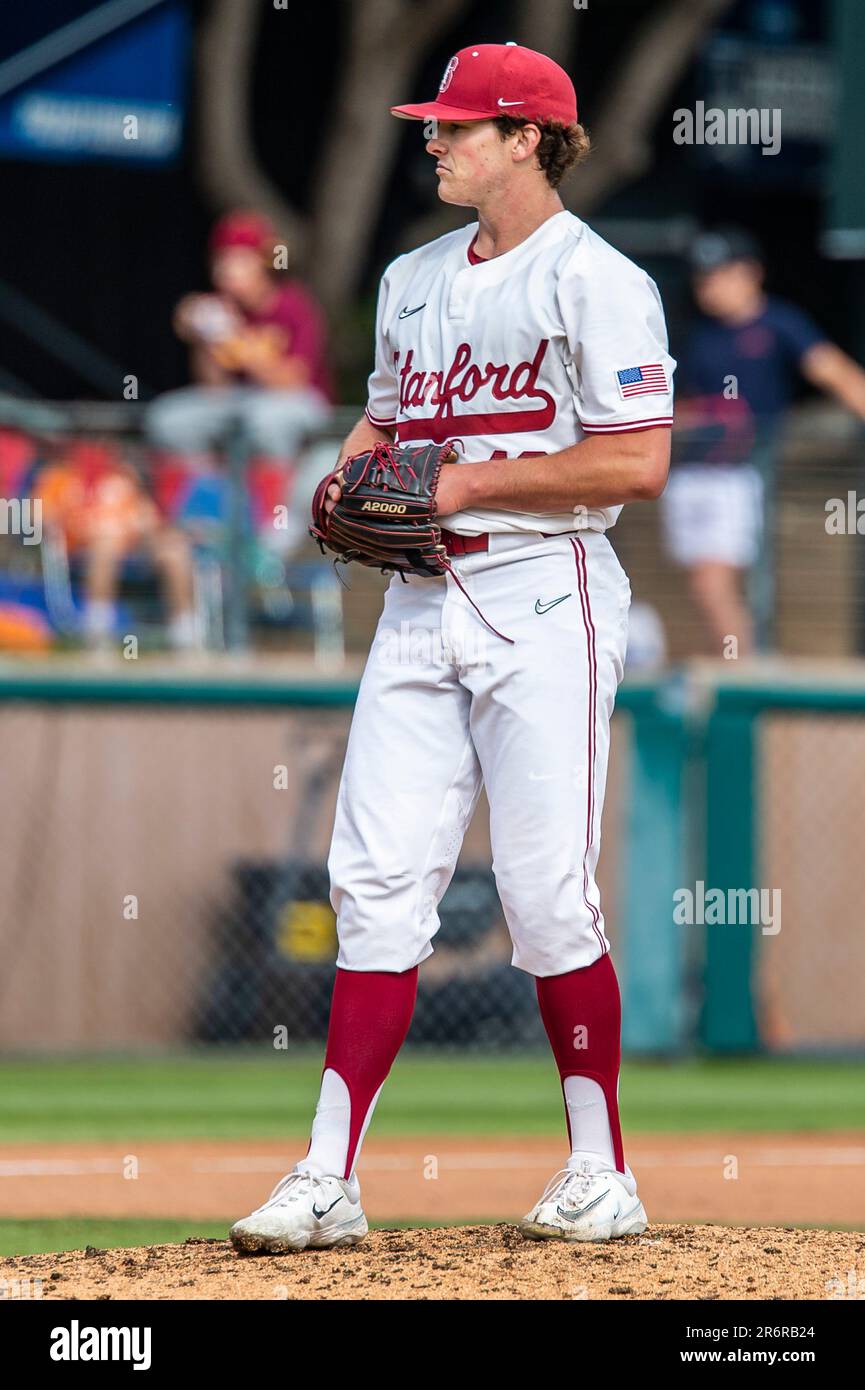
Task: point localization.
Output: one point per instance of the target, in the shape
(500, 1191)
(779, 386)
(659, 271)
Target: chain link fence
(166, 884)
(163, 847)
(810, 844)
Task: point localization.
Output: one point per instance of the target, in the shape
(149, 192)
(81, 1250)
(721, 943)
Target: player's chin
(450, 193)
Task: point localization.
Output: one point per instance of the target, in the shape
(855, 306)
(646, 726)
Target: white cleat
(303, 1212)
(587, 1203)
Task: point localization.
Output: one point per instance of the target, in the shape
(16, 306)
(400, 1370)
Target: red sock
(582, 1013)
(370, 1014)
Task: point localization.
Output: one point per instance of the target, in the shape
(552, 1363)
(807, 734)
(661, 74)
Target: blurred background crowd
(200, 198)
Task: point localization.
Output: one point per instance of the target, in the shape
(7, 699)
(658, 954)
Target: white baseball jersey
(522, 354)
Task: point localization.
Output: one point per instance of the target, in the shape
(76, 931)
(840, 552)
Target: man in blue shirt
(738, 372)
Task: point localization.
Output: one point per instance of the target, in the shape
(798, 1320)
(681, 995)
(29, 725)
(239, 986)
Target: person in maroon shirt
(257, 348)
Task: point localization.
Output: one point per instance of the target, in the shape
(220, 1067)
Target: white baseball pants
(446, 706)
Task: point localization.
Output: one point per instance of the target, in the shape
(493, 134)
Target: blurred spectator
(93, 503)
(257, 356)
(647, 640)
(738, 373)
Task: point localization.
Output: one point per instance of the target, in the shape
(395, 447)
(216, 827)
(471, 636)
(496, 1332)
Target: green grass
(240, 1096)
(75, 1233)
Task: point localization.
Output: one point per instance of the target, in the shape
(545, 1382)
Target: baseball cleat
(303, 1212)
(586, 1203)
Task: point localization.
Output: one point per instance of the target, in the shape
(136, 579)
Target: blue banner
(87, 81)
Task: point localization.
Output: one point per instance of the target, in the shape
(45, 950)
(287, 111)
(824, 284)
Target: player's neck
(260, 297)
(503, 225)
(747, 312)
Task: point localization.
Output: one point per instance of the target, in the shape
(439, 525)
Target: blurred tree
(227, 164)
(387, 41)
(648, 72)
(547, 28)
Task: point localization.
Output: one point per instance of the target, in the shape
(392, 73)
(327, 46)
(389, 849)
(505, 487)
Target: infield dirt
(471, 1262)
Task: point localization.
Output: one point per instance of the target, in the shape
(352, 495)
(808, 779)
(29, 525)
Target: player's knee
(378, 940)
(108, 547)
(555, 926)
(388, 920)
(170, 550)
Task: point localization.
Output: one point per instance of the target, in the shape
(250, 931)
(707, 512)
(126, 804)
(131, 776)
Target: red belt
(464, 545)
(470, 545)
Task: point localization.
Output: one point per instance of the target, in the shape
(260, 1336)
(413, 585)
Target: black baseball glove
(386, 509)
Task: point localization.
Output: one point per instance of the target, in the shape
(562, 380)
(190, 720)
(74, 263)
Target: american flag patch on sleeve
(650, 380)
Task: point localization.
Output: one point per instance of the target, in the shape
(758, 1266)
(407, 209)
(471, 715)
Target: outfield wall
(163, 841)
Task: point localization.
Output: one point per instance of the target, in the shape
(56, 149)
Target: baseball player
(541, 352)
(713, 509)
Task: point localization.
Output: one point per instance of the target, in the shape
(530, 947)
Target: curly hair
(561, 147)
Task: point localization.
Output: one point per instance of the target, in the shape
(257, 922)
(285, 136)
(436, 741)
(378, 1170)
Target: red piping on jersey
(375, 419)
(591, 655)
(627, 426)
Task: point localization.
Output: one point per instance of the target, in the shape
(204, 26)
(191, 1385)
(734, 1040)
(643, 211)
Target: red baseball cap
(243, 228)
(499, 79)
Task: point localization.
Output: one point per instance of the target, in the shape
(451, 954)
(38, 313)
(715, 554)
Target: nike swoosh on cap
(510, 103)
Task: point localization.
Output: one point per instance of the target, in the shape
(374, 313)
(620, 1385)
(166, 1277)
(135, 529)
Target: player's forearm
(362, 437)
(597, 472)
(827, 367)
(204, 369)
(848, 387)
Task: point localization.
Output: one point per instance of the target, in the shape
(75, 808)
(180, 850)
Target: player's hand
(205, 319)
(253, 350)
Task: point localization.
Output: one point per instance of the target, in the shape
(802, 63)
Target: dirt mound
(467, 1262)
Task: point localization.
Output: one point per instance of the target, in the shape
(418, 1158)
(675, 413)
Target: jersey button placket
(457, 298)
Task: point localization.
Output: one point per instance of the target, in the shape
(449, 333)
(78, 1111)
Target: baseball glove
(385, 513)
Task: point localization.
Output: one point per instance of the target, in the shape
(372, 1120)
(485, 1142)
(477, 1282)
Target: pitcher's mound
(468, 1262)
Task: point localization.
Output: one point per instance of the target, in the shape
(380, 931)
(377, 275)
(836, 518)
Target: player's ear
(527, 141)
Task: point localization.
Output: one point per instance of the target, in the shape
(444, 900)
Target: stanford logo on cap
(531, 85)
(448, 74)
